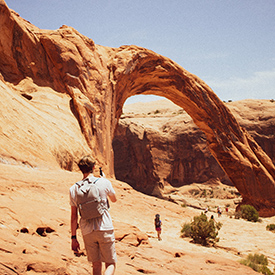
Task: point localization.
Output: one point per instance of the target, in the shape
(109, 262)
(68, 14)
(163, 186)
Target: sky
(229, 44)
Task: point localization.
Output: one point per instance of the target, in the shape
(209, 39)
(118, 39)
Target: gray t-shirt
(103, 223)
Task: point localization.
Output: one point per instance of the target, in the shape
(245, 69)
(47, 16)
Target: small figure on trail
(219, 211)
(158, 225)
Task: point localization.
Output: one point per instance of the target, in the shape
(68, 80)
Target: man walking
(98, 233)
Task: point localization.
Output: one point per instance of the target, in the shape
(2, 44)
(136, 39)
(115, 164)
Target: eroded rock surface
(99, 79)
(157, 144)
(160, 145)
(35, 231)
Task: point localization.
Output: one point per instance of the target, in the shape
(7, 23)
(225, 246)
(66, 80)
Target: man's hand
(75, 245)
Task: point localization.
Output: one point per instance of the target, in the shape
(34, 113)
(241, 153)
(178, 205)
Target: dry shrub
(202, 230)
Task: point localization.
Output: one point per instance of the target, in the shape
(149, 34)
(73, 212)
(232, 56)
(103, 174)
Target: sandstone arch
(238, 154)
(100, 79)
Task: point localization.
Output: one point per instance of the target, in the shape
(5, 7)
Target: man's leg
(110, 269)
(108, 251)
(97, 266)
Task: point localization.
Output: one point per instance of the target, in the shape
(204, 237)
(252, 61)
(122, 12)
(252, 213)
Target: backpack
(89, 202)
(157, 223)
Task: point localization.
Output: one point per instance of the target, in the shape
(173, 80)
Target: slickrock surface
(35, 237)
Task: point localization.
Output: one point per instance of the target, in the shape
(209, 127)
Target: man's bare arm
(74, 219)
(74, 225)
(113, 197)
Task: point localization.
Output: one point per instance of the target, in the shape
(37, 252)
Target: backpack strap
(79, 183)
(93, 182)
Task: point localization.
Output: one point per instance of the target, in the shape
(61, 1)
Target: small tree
(202, 230)
(248, 212)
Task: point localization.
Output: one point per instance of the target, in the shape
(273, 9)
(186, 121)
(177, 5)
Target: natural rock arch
(100, 79)
(248, 167)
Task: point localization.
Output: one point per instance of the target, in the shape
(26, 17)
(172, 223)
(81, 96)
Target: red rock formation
(159, 144)
(162, 147)
(100, 79)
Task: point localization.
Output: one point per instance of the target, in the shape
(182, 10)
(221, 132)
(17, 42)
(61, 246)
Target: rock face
(257, 117)
(97, 80)
(159, 144)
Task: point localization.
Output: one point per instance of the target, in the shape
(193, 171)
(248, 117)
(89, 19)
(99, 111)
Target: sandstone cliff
(93, 82)
(157, 144)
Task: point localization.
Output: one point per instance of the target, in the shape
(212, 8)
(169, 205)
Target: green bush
(259, 259)
(265, 270)
(202, 230)
(186, 230)
(270, 227)
(248, 212)
(257, 262)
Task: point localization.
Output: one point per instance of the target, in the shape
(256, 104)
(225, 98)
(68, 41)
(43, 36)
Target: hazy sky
(230, 44)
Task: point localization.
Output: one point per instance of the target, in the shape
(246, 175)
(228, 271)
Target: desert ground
(35, 229)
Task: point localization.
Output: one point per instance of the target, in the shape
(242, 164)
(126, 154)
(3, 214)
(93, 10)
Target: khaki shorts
(100, 246)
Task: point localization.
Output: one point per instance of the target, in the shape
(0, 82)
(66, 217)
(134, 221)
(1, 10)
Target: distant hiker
(97, 229)
(158, 225)
(206, 210)
(219, 211)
